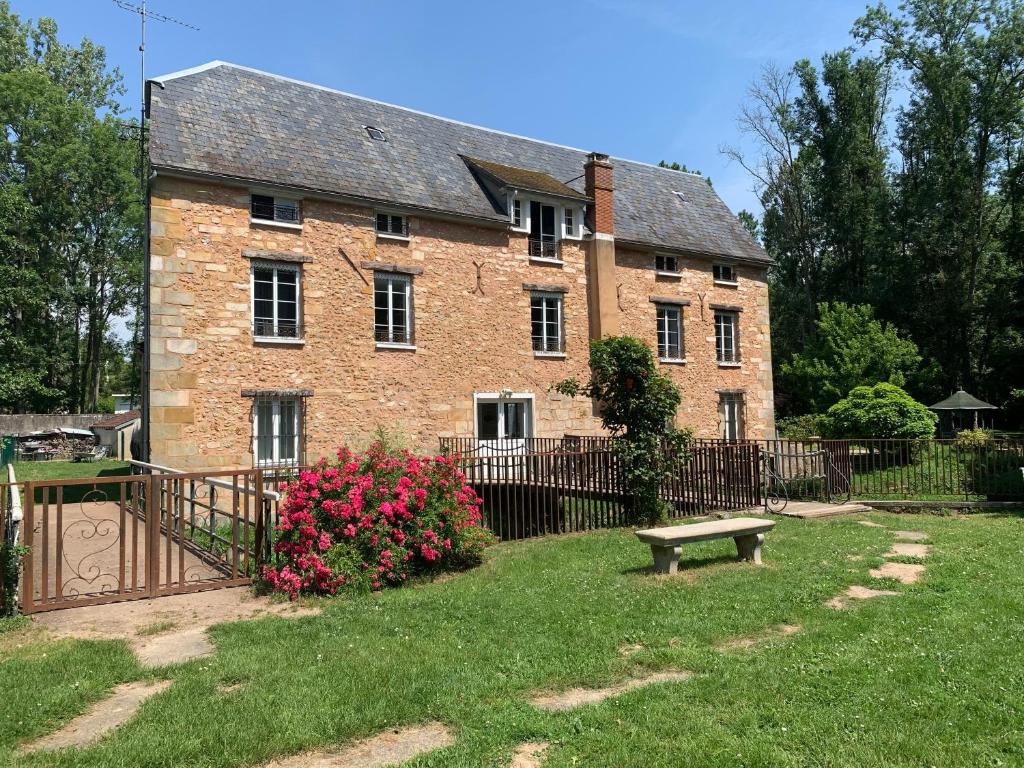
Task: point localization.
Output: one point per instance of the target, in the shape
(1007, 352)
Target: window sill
(389, 236)
(278, 340)
(543, 260)
(727, 364)
(392, 345)
(667, 273)
(672, 360)
(550, 355)
(279, 224)
(728, 283)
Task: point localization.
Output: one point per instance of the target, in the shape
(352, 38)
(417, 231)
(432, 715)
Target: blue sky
(643, 79)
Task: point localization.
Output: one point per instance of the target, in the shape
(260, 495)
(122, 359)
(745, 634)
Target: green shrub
(804, 427)
(638, 406)
(881, 411)
(973, 438)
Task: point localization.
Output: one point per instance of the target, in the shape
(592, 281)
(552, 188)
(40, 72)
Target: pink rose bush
(374, 520)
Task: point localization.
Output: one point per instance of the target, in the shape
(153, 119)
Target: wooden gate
(108, 539)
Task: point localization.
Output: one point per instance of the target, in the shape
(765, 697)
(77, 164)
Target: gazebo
(961, 410)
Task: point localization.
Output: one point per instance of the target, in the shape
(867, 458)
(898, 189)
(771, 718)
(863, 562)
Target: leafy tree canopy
(850, 348)
(881, 411)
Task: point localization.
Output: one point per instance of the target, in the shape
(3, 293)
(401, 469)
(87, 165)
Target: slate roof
(962, 401)
(525, 180)
(241, 124)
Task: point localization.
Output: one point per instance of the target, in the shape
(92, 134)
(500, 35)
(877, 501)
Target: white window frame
(501, 397)
(300, 329)
(663, 333)
(390, 234)
(516, 213)
(393, 278)
(730, 411)
(727, 354)
(559, 300)
(661, 264)
(278, 199)
(276, 433)
(571, 222)
(733, 283)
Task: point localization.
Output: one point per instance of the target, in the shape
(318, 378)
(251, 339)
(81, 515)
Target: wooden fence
(545, 486)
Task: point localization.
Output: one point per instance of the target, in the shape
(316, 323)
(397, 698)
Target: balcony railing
(267, 212)
(728, 355)
(267, 328)
(544, 249)
(384, 335)
(548, 344)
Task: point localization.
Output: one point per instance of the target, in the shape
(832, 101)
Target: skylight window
(376, 133)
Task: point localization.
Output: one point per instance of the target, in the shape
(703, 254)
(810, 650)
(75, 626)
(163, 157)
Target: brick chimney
(602, 290)
(598, 175)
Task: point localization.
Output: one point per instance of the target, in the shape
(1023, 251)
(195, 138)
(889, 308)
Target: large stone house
(321, 264)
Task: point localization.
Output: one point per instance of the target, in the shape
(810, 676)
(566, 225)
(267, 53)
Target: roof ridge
(219, 63)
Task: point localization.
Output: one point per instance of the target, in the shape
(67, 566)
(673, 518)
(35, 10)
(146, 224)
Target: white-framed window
(664, 262)
(546, 323)
(569, 221)
(670, 332)
(543, 236)
(730, 411)
(392, 309)
(727, 347)
(500, 418)
(276, 431)
(281, 210)
(725, 274)
(517, 213)
(392, 224)
(276, 301)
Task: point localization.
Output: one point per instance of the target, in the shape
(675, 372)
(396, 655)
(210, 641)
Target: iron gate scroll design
(108, 539)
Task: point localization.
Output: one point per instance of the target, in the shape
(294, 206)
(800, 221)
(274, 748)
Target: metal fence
(901, 470)
(540, 486)
(127, 537)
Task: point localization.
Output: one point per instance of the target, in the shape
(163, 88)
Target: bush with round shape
(374, 520)
(882, 411)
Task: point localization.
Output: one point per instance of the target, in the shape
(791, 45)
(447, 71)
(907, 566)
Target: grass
(932, 677)
(73, 470)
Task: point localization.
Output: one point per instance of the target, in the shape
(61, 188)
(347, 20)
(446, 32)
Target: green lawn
(934, 677)
(67, 470)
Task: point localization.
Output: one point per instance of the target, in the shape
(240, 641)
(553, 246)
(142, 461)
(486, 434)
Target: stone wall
(23, 423)
(471, 337)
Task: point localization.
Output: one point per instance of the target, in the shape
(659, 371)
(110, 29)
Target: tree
(674, 166)
(638, 406)
(882, 411)
(850, 349)
(71, 224)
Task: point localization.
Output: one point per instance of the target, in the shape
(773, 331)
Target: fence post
(258, 507)
(28, 523)
(153, 504)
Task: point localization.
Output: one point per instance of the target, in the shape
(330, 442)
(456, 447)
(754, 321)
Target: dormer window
(392, 225)
(281, 210)
(517, 213)
(666, 264)
(569, 219)
(543, 241)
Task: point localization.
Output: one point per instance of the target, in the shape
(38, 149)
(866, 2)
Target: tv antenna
(144, 14)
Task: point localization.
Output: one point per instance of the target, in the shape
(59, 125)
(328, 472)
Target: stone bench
(666, 543)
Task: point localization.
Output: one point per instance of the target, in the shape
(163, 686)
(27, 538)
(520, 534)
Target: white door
(503, 426)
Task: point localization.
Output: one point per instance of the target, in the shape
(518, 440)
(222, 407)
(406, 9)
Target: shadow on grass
(693, 565)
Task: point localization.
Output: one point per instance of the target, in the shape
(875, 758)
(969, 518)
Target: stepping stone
(910, 535)
(578, 697)
(105, 716)
(384, 749)
(173, 648)
(745, 643)
(904, 549)
(902, 572)
(529, 755)
(857, 592)
(870, 524)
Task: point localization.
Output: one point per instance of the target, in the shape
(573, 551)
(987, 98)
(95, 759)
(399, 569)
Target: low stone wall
(20, 423)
